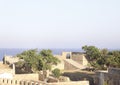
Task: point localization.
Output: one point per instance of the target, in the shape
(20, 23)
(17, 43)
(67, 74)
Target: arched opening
(68, 56)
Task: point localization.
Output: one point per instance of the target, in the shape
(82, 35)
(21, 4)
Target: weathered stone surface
(112, 77)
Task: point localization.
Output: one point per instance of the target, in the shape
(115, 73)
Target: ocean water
(13, 52)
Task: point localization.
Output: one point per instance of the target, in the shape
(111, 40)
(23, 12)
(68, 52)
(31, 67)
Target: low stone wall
(20, 82)
(70, 83)
(112, 77)
(26, 82)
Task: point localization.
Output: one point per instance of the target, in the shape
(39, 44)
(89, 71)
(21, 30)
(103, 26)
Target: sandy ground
(3, 66)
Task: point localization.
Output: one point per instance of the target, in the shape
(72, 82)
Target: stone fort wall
(25, 82)
(70, 83)
(112, 77)
(68, 66)
(20, 82)
(80, 58)
(10, 59)
(33, 79)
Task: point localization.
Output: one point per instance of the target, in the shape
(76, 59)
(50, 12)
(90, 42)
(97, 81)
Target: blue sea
(13, 52)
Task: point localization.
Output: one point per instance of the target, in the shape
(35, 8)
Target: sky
(59, 23)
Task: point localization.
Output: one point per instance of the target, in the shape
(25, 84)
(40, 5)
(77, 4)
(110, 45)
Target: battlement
(20, 82)
(26, 82)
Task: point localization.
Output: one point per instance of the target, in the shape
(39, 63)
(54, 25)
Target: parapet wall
(70, 83)
(19, 82)
(25, 82)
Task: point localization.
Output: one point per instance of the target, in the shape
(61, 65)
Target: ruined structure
(68, 60)
(110, 77)
(72, 61)
(30, 82)
(10, 59)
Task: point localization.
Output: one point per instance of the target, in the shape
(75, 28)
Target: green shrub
(56, 73)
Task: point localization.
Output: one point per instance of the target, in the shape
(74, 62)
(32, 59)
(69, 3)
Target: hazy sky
(59, 23)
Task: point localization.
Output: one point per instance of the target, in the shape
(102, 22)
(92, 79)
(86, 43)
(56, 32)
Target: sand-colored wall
(85, 61)
(80, 58)
(59, 65)
(68, 66)
(76, 56)
(20, 82)
(25, 82)
(10, 59)
(5, 69)
(64, 54)
(34, 76)
(70, 83)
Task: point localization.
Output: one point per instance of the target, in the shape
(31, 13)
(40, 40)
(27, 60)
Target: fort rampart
(26, 82)
(20, 82)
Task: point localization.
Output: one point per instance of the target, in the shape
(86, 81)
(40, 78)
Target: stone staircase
(74, 64)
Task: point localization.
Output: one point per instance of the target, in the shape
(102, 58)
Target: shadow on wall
(77, 76)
